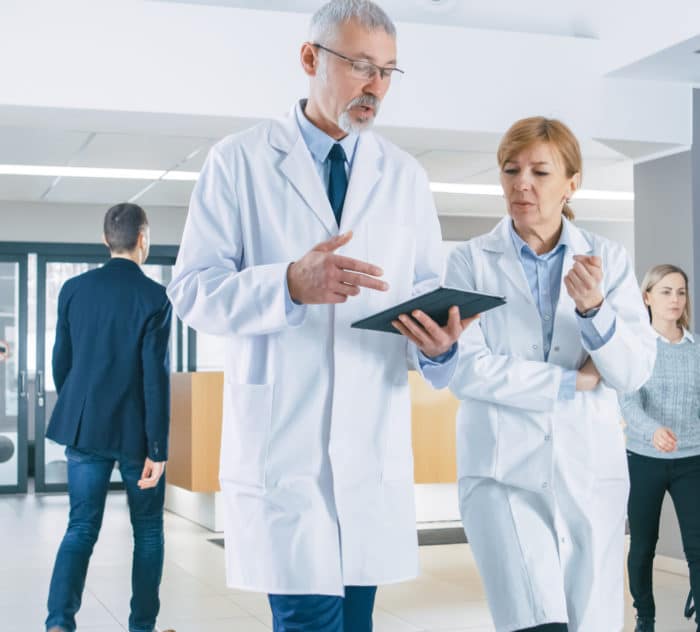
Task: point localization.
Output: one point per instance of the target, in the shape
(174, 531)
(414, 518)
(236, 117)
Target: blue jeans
(324, 613)
(88, 482)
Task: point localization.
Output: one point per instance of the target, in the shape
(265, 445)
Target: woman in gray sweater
(663, 439)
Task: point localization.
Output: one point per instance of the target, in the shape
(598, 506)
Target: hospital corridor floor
(447, 597)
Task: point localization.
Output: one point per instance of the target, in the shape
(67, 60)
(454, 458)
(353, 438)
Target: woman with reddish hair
(541, 459)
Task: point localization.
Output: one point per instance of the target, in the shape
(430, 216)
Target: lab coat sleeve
(212, 289)
(625, 362)
(427, 276)
(496, 378)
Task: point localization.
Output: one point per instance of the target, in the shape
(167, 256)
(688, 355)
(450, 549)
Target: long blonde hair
(654, 275)
(538, 129)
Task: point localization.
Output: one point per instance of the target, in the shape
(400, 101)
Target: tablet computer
(436, 304)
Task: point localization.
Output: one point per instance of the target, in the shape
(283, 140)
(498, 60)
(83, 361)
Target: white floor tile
(448, 597)
(238, 624)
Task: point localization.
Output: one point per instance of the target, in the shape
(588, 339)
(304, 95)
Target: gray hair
(327, 19)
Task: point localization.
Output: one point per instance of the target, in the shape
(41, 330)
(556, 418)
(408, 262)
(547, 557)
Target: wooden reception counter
(195, 431)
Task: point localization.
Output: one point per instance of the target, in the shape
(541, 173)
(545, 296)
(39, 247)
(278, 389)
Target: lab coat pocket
(245, 433)
(398, 452)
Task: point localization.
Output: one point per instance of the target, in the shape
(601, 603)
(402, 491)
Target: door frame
(48, 252)
(22, 447)
(162, 255)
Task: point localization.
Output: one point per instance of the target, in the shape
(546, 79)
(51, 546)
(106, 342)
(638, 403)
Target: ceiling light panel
(137, 151)
(35, 146)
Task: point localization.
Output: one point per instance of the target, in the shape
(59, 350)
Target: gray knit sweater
(671, 398)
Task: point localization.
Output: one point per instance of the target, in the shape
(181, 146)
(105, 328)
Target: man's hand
(664, 440)
(152, 471)
(587, 377)
(321, 276)
(583, 282)
(427, 335)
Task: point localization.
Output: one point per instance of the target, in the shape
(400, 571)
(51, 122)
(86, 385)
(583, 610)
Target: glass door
(13, 373)
(53, 272)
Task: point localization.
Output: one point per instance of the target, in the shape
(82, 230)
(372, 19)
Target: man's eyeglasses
(362, 69)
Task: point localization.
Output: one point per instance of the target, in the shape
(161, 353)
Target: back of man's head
(122, 226)
(328, 18)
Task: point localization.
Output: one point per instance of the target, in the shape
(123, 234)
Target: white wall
(79, 223)
(135, 56)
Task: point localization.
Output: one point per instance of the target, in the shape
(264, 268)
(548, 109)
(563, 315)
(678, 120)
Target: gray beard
(348, 124)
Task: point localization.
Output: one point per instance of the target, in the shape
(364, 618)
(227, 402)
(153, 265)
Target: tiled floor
(448, 596)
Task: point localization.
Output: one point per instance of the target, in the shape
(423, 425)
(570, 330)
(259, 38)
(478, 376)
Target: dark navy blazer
(111, 363)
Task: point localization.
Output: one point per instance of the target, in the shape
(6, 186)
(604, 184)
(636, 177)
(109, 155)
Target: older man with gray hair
(316, 467)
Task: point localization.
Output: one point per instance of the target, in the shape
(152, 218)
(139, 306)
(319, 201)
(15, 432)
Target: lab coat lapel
(500, 241)
(366, 171)
(566, 330)
(297, 165)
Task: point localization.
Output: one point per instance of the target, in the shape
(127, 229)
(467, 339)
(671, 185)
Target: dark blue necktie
(338, 182)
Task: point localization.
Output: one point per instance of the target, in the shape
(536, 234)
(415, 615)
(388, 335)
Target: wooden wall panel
(433, 415)
(195, 431)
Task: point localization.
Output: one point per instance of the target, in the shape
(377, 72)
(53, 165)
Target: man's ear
(104, 240)
(309, 59)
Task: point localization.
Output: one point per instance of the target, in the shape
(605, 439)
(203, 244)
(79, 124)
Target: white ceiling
(143, 140)
(679, 63)
(447, 157)
(573, 18)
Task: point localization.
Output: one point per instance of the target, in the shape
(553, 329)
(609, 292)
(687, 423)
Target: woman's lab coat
(543, 482)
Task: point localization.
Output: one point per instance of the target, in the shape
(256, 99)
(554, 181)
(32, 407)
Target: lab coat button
(547, 437)
(547, 316)
(556, 348)
(534, 346)
(545, 485)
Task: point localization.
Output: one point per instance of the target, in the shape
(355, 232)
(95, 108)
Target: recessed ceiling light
(495, 189)
(191, 176)
(53, 171)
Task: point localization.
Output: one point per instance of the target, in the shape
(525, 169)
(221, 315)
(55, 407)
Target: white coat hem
(271, 590)
(317, 590)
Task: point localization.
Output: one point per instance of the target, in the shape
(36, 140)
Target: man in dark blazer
(111, 368)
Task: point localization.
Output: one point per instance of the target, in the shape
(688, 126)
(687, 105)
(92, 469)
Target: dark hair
(123, 223)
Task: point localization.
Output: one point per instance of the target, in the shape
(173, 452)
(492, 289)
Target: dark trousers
(88, 482)
(650, 479)
(324, 613)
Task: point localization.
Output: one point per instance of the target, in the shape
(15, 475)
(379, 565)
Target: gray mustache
(367, 100)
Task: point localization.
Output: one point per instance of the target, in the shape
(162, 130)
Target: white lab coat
(316, 461)
(543, 482)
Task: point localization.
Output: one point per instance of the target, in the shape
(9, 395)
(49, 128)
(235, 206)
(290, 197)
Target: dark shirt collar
(123, 263)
